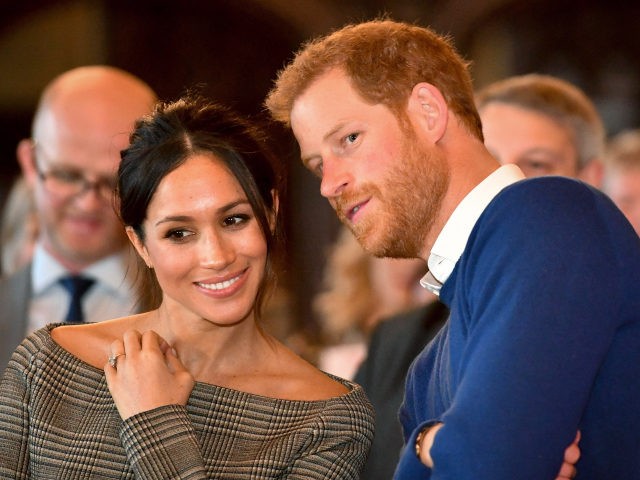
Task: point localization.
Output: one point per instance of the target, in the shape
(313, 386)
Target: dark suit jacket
(15, 292)
(394, 344)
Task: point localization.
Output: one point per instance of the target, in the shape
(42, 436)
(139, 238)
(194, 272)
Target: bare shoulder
(306, 382)
(90, 342)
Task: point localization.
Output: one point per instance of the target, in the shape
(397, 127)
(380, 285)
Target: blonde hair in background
(346, 299)
(621, 179)
(359, 290)
(623, 151)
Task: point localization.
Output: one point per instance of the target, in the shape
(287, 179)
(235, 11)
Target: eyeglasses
(72, 183)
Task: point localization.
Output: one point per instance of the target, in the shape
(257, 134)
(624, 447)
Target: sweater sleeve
(161, 444)
(536, 294)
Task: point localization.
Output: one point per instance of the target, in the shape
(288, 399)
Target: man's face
(623, 186)
(381, 181)
(533, 141)
(83, 228)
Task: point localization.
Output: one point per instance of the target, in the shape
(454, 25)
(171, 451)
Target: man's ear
(428, 109)
(25, 152)
(138, 245)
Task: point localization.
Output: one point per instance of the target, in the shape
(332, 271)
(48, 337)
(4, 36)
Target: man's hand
(571, 457)
(567, 469)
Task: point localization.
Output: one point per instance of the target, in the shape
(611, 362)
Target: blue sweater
(543, 340)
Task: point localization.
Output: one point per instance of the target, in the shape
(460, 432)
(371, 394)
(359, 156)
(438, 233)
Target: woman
(194, 389)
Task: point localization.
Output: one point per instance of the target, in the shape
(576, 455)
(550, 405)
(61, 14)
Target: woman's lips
(223, 287)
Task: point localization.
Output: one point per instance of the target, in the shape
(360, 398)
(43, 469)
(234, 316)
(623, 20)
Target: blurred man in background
(82, 267)
(545, 125)
(622, 174)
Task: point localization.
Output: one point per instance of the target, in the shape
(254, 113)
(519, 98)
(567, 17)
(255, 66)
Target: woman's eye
(178, 235)
(235, 220)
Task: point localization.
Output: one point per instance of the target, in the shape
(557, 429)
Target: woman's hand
(145, 374)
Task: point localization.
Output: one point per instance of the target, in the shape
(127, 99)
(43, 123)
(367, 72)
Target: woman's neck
(210, 351)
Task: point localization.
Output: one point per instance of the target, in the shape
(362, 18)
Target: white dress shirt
(111, 296)
(452, 240)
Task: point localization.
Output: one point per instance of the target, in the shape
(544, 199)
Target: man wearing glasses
(81, 268)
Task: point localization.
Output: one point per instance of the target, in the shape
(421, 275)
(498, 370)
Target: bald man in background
(82, 121)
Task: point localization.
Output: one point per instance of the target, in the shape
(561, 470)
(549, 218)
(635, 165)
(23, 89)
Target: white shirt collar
(110, 271)
(452, 240)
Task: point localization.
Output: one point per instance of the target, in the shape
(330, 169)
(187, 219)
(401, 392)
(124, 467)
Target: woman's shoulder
(304, 381)
(323, 384)
(305, 388)
(351, 411)
(37, 342)
(89, 342)
(39, 352)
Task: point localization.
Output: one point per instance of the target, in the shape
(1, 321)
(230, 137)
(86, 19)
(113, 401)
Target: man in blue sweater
(544, 125)
(540, 275)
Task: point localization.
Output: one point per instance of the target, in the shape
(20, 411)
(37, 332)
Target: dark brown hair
(164, 140)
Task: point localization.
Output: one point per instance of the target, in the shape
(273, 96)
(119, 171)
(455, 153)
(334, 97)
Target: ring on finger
(113, 359)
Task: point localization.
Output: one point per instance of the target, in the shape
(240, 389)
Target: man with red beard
(546, 126)
(83, 120)
(540, 275)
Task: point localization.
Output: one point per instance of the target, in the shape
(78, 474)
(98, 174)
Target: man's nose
(335, 177)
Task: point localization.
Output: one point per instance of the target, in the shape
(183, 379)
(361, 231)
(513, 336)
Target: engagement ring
(113, 359)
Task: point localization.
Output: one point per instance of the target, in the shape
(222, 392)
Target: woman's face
(204, 242)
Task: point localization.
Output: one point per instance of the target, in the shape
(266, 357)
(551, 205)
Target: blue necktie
(77, 286)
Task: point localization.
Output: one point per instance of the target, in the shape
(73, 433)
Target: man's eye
(66, 176)
(535, 168)
(351, 138)
(537, 165)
